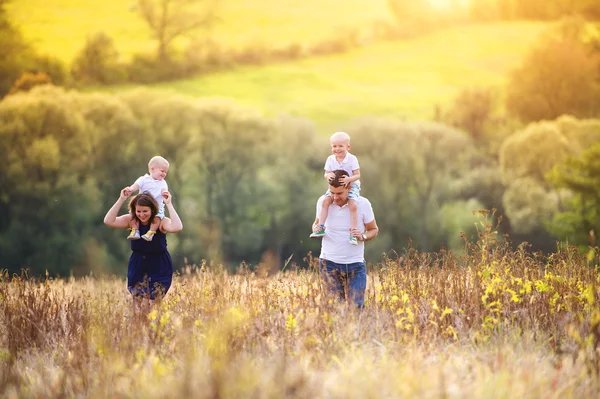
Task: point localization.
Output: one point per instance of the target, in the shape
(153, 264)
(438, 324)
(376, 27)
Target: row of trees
(246, 185)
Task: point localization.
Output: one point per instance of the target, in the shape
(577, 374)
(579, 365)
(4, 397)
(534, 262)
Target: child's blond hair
(157, 161)
(340, 136)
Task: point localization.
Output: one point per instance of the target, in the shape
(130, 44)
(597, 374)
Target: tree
(235, 145)
(16, 54)
(171, 19)
(472, 111)
(525, 159)
(528, 156)
(412, 166)
(561, 75)
(63, 153)
(97, 62)
(42, 187)
(295, 181)
(581, 176)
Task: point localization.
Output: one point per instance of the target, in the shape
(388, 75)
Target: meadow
(492, 323)
(60, 27)
(402, 79)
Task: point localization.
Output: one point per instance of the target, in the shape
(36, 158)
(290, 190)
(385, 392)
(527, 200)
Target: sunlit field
(60, 27)
(484, 319)
(402, 80)
(495, 323)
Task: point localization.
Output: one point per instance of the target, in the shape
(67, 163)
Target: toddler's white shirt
(349, 164)
(154, 188)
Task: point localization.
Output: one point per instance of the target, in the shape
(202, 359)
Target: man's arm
(371, 230)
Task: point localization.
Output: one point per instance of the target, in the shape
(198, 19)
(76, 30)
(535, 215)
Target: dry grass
(491, 323)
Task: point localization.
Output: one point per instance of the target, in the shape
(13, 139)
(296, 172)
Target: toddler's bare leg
(153, 227)
(155, 223)
(134, 227)
(327, 201)
(353, 205)
(353, 220)
(319, 224)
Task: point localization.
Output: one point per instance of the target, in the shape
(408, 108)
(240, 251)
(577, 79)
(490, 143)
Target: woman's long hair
(143, 199)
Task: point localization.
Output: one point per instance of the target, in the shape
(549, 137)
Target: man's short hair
(335, 181)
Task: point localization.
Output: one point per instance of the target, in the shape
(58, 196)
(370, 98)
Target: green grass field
(60, 27)
(403, 79)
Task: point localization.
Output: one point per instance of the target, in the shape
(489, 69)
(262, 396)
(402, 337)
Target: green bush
(561, 75)
(98, 62)
(147, 69)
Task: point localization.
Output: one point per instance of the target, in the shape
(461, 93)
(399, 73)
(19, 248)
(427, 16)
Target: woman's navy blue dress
(150, 269)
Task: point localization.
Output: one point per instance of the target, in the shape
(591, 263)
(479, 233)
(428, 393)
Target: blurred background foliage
(453, 106)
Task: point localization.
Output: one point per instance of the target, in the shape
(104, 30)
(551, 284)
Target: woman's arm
(173, 223)
(111, 219)
(133, 188)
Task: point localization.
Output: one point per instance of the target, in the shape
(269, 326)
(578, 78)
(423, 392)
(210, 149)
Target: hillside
(403, 79)
(60, 27)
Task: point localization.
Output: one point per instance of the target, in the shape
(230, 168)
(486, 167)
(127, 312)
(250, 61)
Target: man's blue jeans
(346, 280)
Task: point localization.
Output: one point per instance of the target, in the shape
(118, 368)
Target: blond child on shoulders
(155, 184)
(341, 159)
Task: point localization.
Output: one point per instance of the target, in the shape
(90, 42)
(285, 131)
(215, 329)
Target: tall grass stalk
(494, 322)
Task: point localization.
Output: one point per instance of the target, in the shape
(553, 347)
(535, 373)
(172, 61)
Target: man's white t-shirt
(349, 164)
(154, 188)
(335, 245)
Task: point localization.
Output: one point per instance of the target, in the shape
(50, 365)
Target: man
(342, 263)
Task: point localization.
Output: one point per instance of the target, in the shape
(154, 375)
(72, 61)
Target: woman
(150, 269)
